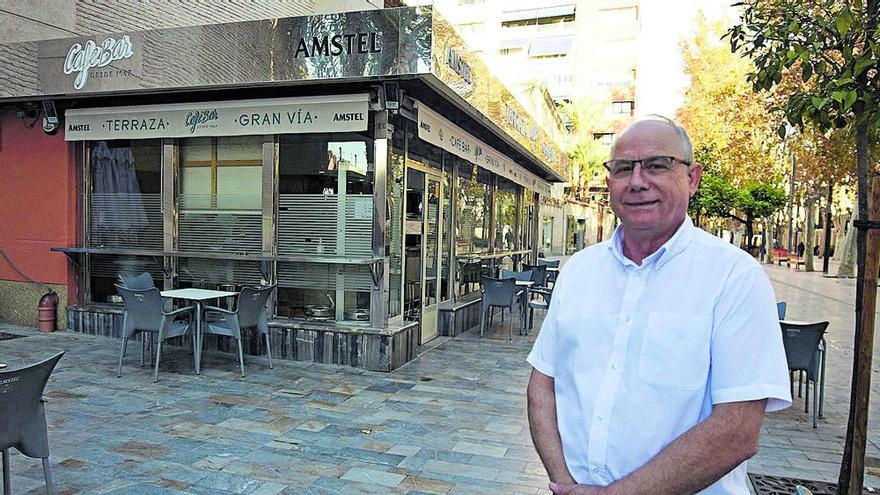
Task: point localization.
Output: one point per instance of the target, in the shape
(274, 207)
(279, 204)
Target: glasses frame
(639, 162)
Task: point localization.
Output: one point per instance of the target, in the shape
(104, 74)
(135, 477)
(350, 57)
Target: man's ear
(695, 175)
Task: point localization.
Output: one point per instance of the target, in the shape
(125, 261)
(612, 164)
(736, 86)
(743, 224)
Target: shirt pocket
(675, 350)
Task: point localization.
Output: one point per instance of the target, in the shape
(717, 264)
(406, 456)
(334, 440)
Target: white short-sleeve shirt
(639, 354)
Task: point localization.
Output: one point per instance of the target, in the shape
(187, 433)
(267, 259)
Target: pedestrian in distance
(801, 248)
(661, 349)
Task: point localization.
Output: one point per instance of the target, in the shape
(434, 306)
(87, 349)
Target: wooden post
(853, 466)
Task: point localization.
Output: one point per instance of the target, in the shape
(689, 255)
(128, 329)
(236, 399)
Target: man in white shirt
(661, 350)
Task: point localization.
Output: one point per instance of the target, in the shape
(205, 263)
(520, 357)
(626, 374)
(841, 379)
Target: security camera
(51, 123)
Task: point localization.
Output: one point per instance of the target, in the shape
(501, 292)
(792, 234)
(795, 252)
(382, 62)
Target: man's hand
(570, 489)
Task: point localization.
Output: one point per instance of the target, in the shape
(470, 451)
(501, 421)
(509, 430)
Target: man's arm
(695, 460)
(545, 431)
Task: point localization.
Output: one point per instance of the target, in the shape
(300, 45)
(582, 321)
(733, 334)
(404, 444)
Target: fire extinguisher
(48, 310)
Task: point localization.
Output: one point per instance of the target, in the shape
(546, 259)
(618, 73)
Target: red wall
(37, 200)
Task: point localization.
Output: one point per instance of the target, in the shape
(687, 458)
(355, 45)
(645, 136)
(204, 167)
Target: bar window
(472, 230)
(221, 192)
(505, 215)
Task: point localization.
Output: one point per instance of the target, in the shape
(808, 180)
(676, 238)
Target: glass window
(525, 223)
(547, 235)
(221, 173)
(125, 210)
(505, 215)
(325, 208)
(221, 195)
(472, 229)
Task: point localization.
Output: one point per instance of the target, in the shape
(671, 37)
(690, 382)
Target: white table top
(196, 294)
(552, 269)
(525, 283)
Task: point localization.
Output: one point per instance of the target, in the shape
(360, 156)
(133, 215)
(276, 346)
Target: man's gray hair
(686, 146)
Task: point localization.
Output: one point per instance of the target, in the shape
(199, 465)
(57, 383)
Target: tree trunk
(749, 222)
(811, 233)
(826, 257)
(840, 247)
(852, 466)
(847, 250)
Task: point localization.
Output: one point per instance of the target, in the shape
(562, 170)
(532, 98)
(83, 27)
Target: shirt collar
(670, 249)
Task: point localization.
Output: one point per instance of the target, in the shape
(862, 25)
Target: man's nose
(637, 179)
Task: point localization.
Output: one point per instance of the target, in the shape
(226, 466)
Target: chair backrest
(521, 276)
(142, 281)
(251, 302)
(539, 273)
(550, 263)
(144, 307)
(802, 344)
(780, 309)
(498, 291)
(22, 421)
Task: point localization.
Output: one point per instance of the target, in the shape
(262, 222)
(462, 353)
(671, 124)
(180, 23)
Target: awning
(442, 133)
(520, 15)
(337, 113)
(544, 47)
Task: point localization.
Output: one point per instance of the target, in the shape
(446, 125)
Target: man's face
(652, 206)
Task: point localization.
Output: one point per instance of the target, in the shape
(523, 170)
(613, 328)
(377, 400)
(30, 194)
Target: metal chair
(780, 309)
(802, 350)
(551, 275)
(539, 276)
(23, 416)
(144, 313)
(497, 293)
(250, 312)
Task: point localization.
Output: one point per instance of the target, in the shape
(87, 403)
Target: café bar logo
(198, 119)
(339, 44)
(82, 58)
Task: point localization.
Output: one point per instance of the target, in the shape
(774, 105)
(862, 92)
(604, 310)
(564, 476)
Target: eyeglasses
(652, 165)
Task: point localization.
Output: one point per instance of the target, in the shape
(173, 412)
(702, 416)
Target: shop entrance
(423, 240)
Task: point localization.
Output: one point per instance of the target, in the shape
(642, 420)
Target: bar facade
(365, 163)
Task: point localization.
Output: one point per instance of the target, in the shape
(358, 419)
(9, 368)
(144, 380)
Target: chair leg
(143, 349)
(268, 350)
(240, 356)
(800, 383)
(815, 404)
(121, 355)
(807, 398)
(158, 356)
(822, 385)
(482, 321)
(48, 474)
(7, 483)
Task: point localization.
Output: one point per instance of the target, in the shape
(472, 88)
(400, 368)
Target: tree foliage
(728, 123)
(587, 154)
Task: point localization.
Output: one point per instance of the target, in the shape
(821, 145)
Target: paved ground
(453, 421)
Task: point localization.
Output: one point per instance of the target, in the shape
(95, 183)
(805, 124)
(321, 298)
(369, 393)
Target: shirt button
(601, 418)
(614, 366)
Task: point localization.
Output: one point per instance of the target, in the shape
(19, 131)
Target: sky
(664, 23)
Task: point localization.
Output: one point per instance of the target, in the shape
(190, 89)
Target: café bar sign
(338, 113)
(442, 133)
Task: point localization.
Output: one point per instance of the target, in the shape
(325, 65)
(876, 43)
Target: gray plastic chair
(780, 309)
(497, 293)
(523, 292)
(539, 275)
(142, 281)
(551, 276)
(802, 351)
(536, 303)
(23, 417)
(144, 313)
(250, 312)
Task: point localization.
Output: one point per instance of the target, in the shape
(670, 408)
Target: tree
(718, 198)
(833, 45)
(728, 123)
(585, 116)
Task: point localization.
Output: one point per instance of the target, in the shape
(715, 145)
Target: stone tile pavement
(452, 421)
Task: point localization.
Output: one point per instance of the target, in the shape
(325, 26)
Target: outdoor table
(526, 285)
(822, 346)
(198, 296)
